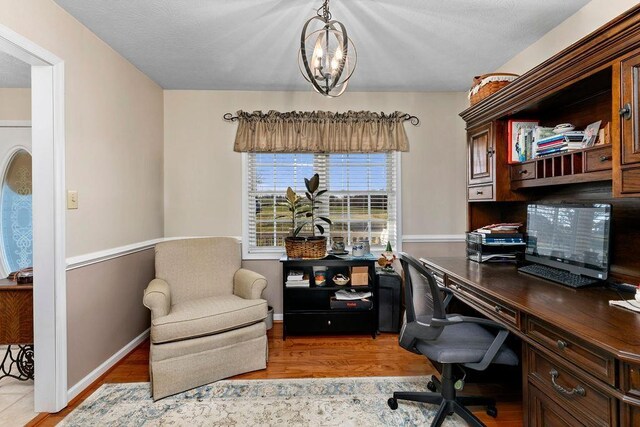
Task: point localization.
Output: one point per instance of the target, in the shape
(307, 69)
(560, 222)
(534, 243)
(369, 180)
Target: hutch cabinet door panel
(630, 114)
(481, 151)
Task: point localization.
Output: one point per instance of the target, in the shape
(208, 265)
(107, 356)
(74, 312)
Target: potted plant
(313, 246)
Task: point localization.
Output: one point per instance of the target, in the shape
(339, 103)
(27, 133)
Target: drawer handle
(479, 192)
(328, 322)
(605, 158)
(497, 308)
(523, 171)
(562, 344)
(576, 390)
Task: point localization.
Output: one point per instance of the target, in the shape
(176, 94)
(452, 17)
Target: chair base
(447, 400)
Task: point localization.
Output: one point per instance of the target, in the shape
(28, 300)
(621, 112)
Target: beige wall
(114, 158)
(105, 311)
(15, 104)
(203, 175)
(114, 130)
(592, 16)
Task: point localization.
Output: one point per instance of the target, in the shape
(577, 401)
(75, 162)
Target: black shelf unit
(307, 311)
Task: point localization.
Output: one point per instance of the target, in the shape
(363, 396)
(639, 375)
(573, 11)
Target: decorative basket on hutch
(488, 84)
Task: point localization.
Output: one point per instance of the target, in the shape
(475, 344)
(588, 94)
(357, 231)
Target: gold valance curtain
(321, 132)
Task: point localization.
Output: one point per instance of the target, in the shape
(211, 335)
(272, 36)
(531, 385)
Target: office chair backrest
(424, 301)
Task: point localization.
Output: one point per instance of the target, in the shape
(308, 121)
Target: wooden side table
(16, 330)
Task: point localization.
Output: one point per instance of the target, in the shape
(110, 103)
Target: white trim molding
(108, 254)
(81, 385)
(48, 145)
(433, 238)
(84, 260)
(15, 123)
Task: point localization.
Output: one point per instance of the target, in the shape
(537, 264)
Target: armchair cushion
(207, 316)
(248, 284)
(157, 298)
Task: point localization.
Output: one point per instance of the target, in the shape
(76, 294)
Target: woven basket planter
(310, 248)
(488, 84)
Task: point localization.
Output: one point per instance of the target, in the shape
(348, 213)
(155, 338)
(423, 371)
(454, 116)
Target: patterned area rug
(298, 402)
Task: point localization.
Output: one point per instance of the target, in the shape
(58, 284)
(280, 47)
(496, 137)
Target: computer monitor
(570, 237)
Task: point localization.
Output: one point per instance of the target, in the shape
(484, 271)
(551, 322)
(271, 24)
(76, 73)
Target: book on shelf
(503, 227)
(295, 275)
(302, 283)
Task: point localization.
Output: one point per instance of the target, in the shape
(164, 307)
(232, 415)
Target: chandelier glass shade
(327, 56)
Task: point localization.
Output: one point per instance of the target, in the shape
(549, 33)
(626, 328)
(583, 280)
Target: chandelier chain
(323, 11)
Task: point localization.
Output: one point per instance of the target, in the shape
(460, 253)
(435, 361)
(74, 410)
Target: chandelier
(333, 56)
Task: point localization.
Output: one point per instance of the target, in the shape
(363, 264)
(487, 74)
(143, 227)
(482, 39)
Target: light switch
(72, 199)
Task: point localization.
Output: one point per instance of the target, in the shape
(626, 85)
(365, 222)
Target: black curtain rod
(229, 117)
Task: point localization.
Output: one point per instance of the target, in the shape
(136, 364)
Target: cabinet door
(481, 155)
(630, 114)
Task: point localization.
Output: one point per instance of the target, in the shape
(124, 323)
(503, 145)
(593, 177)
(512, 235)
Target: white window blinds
(361, 200)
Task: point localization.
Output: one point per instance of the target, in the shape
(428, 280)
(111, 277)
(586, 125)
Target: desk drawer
(571, 392)
(596, 363)
(483, 301)
(545, 411)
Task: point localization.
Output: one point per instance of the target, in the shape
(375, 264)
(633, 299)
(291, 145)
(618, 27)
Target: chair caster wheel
(393, 403)
(492, 411)
(432, 386)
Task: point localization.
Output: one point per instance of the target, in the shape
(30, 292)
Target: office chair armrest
(448, 296)
(495, 346)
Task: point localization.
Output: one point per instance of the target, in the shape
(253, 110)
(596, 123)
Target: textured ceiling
(405, 45)
(13, 72)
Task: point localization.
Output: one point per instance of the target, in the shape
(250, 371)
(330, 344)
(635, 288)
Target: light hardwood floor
(305, 357)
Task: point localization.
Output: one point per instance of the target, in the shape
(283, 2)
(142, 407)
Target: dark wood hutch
(596, 78)
(568, 336)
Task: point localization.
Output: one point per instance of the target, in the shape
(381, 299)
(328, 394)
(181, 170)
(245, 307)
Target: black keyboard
(559, 276)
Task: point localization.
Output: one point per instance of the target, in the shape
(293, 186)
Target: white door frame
(49, 292)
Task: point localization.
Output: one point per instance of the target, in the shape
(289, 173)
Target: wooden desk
(16, 329)
(580, 356)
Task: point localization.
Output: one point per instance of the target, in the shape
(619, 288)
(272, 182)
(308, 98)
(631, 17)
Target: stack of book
(297, 279)
(496, 242)
(559, 143)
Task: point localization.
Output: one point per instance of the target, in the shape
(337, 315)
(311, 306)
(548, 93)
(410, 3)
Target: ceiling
(13, 72)
(403, 45)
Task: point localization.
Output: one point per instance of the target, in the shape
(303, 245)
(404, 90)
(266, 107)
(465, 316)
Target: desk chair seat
(464, 343)
(450, 340)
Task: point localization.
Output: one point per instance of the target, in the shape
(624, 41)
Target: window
(361, 200)
(15, 212)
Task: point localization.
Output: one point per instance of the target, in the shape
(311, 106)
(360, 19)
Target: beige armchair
(207, 315)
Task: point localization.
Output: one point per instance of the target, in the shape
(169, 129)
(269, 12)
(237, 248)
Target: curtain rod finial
(230, 117)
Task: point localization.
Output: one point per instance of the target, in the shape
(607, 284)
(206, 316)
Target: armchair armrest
(157, 298)
(248, 284)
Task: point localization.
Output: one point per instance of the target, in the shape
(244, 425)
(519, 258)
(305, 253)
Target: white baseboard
(81, 385)
(279, 316)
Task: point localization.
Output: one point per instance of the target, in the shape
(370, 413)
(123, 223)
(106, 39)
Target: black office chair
(448, 339)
